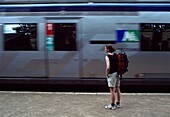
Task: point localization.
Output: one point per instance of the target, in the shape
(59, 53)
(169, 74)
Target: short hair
(110, 48)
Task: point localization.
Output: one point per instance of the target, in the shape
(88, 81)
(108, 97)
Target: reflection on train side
(20, 37)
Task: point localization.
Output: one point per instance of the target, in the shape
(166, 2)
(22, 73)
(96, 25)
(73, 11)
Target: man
(112, 76)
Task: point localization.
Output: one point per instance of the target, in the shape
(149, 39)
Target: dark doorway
(65, 37)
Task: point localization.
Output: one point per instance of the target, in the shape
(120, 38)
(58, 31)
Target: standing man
(112, 76)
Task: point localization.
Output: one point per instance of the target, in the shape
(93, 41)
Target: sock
(113, 104)
(117, 103)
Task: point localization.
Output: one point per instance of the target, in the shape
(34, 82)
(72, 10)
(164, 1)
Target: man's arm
(107, 66)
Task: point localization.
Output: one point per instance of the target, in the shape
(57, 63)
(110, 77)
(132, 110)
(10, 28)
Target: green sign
(50, 43)
(127, 36)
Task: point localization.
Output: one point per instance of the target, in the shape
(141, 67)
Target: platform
(55, 104)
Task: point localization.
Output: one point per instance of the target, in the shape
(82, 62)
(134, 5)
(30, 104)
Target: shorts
(113, 80)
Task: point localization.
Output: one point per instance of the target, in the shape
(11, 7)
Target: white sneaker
(118, 105)
(110, 107)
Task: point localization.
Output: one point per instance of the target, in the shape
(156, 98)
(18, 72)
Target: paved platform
(55, 104)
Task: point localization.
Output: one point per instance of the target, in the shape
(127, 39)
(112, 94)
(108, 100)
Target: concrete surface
(54, 104)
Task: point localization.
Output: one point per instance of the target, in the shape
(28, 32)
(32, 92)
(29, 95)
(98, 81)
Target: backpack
(122, 63)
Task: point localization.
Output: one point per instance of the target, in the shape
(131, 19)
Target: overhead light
(90, 2)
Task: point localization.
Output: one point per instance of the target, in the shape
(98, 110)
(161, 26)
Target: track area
(140, 85)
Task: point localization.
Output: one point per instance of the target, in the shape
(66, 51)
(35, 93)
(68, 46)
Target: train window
(20, 37)
(155, 37)
(65, 37)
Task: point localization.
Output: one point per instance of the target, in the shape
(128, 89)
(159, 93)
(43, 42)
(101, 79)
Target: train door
(62, 45)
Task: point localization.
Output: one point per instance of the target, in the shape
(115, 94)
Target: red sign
(50, 29)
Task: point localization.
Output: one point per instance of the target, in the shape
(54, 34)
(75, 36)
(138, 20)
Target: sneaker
(110, 107)
(118, 105)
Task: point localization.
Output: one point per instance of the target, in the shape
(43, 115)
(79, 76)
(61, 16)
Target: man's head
(109, 48)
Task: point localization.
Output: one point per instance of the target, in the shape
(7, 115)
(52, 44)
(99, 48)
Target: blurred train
(67, 40)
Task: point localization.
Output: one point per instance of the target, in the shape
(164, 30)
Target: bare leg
(118, 93)
(112, 93)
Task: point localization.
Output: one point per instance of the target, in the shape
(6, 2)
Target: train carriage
(66, 41)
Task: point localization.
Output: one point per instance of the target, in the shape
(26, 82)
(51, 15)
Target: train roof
(130, 7)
